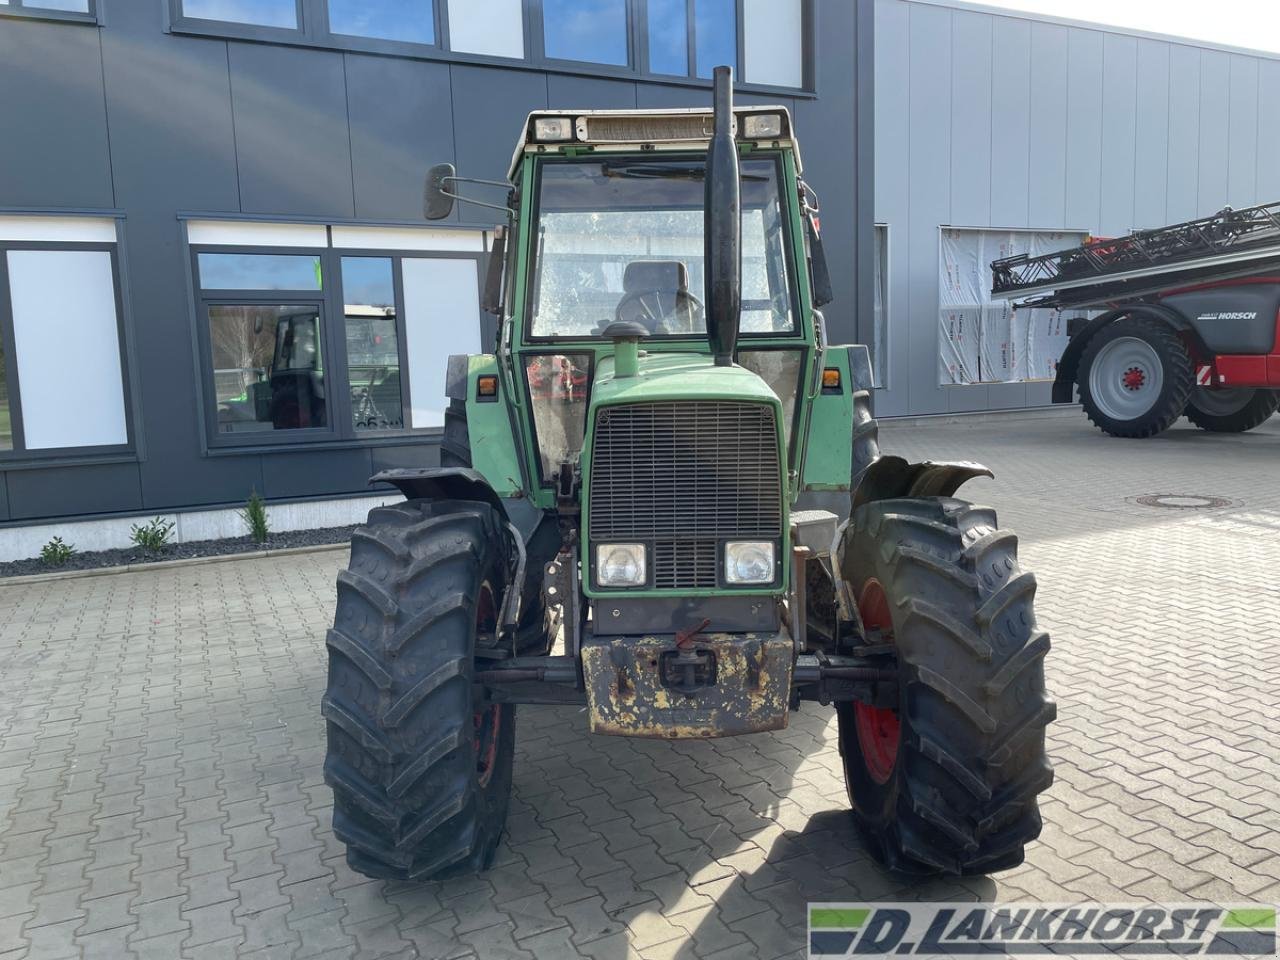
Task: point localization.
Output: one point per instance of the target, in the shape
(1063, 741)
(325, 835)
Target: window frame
(313, 31)
(20, 453)
(20, 11)
(340, 430)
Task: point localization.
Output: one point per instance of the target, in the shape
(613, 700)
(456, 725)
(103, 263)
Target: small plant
(254, 516)
(56, 553)
(154, 534)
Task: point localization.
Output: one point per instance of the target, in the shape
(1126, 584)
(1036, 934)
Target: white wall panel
(1215, 99)
(1151, 135)
(773, 42)
(1119, 115)
(407, 238)
(442, 317)
(68, 348)
(254, 233)
(493, 27)
(1242, 156)
(58, 229)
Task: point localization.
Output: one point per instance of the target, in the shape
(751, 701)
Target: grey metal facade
(994, 119)
(132, 117)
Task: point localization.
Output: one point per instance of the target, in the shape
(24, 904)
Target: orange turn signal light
(830, 378)
(487, 386)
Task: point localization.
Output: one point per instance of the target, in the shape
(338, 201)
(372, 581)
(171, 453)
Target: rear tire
(420, 766)
(1231, 411)
(947, 782)
(1135, 378)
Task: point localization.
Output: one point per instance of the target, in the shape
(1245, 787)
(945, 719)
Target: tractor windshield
(623, 240)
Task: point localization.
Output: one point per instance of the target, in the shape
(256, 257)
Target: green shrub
(56, 553)
(154, 534)
(254, 516)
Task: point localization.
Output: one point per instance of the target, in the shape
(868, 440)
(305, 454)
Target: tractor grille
(682, 477)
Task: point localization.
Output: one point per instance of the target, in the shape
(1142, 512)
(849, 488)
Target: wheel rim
(487, 721)
(1125, 378)
(1222, 402)
(879, 730)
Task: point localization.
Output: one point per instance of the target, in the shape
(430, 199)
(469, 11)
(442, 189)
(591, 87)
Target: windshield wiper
(659, 171)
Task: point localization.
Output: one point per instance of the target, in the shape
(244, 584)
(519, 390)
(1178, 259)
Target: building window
(408, 21)
(62, 373)
(491, 27)
(373, 343)
(715, 35)
(345, 342)
(85, 10)
(593, 31)
(669, 37)
(259, 13)
(772, 41)
(981, 340)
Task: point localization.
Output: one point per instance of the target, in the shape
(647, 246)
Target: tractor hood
(677, 376)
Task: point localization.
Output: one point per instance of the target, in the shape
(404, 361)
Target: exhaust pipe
(722, 226)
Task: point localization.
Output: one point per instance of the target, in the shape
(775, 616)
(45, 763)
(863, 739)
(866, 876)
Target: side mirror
(437, 202)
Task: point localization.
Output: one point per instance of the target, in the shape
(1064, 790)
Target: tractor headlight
(762, 126)
(748, 561)
(552, 128)
(620, 565)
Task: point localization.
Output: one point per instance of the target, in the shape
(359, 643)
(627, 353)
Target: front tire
(1136, 378)
(419, 763)
(946, 782)
(1231, 410)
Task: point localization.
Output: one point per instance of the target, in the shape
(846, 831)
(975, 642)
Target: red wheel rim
(879, 731)
(487, 721)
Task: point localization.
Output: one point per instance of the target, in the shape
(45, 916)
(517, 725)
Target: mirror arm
(479, 203)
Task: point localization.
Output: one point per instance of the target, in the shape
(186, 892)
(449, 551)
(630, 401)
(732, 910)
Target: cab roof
(672, 129)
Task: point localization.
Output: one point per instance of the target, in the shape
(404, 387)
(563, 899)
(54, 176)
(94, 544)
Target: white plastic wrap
(984, 341)
(958, 344)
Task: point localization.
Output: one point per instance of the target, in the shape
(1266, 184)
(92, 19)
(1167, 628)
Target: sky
(1254, 24)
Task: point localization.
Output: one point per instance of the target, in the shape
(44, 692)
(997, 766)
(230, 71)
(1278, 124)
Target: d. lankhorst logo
(1063, 930)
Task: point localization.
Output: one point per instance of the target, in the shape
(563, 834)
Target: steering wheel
(653, 308)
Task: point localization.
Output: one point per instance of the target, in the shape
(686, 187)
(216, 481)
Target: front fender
(890, 478)
(442, 483)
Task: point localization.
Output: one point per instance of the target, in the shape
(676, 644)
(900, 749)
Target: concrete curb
(1057, 412)
(168, 564)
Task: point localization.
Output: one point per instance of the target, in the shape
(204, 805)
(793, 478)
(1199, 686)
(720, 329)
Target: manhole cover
(1183, 501)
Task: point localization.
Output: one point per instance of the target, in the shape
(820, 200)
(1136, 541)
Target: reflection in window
(259, 271)
(715, 34)
(410, 21)
(262, 13)
(268, 371)
(373, 345)
(623, 240)
(70, 6)
(6, 421)
(780, 369)
(591, 30)
(558, 385)
(669, 37)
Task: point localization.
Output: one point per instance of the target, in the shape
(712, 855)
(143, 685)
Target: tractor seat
(667, 277)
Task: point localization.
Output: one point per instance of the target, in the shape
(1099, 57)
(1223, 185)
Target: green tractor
(661, 498)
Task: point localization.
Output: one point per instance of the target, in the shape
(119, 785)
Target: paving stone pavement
(161, 749)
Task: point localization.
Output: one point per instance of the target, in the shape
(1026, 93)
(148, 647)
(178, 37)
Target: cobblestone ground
(161, 749)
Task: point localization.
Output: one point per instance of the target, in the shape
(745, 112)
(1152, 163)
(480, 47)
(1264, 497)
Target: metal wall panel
(1083, 204)
(1242, 152)
(401, 123)
(1184, 134)
(1011, 110)
(1048, 158)
(63, 492)
(489, 105)
(53, 125)
(310, 473)
(971, 120)
(929, 174)
(1151, 135)
(1268, 159)
(292, 136)
(1215, 99)
(1119, 117)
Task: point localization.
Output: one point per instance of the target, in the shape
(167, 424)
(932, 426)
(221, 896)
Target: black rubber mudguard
(892, 477)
